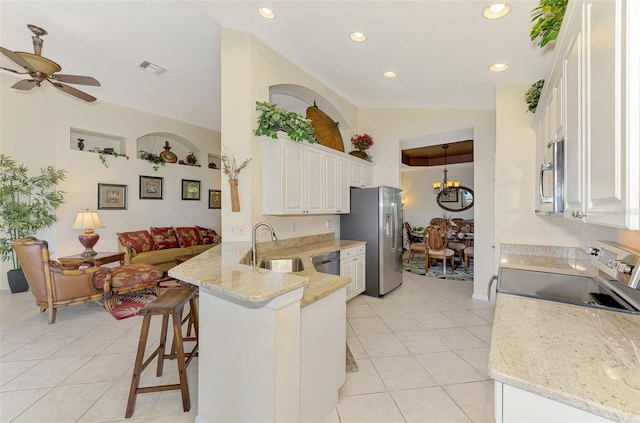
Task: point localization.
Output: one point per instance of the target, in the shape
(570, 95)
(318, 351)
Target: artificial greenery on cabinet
(547, 20)
(272, 120)
(532, 96)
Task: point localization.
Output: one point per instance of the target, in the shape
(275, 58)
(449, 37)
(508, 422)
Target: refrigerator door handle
(395, 217)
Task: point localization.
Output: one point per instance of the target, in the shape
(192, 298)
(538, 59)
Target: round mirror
(455, 200)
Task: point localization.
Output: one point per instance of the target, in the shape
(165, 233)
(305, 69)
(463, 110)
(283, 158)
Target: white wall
(35, 130)
(249, 68)
(389, 126)
(420, 204)
(516, 185)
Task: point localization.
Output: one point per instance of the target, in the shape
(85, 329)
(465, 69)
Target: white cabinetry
(299, 178)
(361, 174)
(352, 265)
(597, 64)
(516, 405)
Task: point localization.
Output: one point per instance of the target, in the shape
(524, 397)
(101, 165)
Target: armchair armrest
(76, 283)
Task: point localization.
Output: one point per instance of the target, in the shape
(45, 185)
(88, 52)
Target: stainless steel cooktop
(616, 287)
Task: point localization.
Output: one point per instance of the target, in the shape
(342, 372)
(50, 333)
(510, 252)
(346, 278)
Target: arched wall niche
(180, 146)
(296, 98)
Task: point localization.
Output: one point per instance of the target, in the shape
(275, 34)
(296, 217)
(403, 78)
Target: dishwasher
(327, 263)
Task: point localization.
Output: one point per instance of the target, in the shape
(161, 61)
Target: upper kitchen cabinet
(598, 64)
(301, 178)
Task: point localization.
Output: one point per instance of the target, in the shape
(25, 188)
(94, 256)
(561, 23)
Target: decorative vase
(80, 144)
(235, 198)
(17, 281)
(362, 154)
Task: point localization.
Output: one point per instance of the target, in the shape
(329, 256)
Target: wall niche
(159, 142)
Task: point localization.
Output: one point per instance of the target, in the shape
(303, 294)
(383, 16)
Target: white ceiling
(440, 49)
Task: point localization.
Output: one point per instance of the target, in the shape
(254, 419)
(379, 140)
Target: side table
(75, 261)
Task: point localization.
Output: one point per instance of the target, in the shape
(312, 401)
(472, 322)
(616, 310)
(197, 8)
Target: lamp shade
(87, 220)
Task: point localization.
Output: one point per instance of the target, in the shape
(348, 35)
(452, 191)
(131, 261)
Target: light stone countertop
(568, 266)
(219, 270)
(585, 357)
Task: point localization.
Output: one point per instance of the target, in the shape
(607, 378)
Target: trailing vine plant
(102, 155)
(548, 19)
(153, 158)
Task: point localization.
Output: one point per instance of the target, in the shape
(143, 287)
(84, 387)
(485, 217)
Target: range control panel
(616, 260)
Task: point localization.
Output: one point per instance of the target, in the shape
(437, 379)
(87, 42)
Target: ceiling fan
(40, 69)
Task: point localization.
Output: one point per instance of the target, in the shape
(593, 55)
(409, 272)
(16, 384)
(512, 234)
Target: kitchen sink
(283, 265)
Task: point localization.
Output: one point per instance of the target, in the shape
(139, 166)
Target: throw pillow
(187, 236)
(208, 236)
(164, 238)
(137, 241)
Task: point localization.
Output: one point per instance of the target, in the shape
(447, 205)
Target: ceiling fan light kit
(41, 69)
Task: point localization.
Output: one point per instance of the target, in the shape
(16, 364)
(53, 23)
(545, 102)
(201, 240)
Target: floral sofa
(160, 246)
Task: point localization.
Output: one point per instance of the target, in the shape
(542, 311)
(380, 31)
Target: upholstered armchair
(436, 240)
(51, 285)
(54, 287)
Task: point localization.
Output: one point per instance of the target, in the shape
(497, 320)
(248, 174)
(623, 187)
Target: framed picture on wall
(112, 197)
(150, 187)
(215, 199)
(190, 189)
(450, 196)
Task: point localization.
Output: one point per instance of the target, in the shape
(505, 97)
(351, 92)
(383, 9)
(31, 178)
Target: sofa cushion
(187, 236)
(158, 257)
(208, 236)
(164, 238)
(138, 241)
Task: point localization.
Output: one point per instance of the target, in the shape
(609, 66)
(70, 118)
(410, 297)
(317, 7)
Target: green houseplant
(272, 120)
(532, 96)
(27, 204)
(548, 19)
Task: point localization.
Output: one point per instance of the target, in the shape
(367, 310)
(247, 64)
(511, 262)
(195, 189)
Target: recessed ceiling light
(390, 74)
(358, 37)
(496, 11)
(266, 13)
(498, 67)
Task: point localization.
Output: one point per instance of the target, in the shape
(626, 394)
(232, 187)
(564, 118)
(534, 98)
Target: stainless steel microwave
(551, 181)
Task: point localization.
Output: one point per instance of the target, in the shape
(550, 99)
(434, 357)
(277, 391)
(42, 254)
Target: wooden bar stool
(171, 302)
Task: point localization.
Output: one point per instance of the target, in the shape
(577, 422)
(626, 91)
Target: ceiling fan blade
(76, 79)
(73, 91)
(14, 71)
(25, 84)
(19, 60)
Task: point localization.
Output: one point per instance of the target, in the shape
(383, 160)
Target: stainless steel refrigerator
(376, 217)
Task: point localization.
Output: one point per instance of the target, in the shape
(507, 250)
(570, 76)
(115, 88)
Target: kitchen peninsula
(264, 334)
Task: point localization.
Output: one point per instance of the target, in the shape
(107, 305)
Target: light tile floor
(422, 353)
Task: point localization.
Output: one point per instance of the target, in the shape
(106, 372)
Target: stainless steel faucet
(254, 252)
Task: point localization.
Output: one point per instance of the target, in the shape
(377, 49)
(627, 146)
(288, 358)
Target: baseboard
(482, 298)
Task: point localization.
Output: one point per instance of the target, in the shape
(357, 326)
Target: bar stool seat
(170, 303)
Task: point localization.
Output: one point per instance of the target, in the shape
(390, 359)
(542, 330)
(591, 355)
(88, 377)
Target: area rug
(417, 266)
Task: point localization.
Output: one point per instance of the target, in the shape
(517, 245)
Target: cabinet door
(574, 111)
(367, 175)
(558, 103)
(313, 178)
(605, 152)
(356, 174)
(359, 274)
(293, 178)
(347, 269)
(344, 194)
(331, 183)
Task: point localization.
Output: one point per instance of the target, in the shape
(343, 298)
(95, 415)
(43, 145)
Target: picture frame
(112, 197)
(215, 199)
(449, 196)
(151, 187)
(190, 189)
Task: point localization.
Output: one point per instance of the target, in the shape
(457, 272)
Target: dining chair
(435, 240)
(414, 246)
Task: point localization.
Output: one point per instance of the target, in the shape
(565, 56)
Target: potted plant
(532, 96)
(272, 120)
(361, 143)
(548, 19)
(27, 204)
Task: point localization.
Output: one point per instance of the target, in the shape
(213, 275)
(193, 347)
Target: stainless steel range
(615, 287)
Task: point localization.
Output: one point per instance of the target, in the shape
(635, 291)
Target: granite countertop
(585, 357)
(219, 270)
(564, 265)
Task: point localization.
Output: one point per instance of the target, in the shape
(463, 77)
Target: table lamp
(88, 220)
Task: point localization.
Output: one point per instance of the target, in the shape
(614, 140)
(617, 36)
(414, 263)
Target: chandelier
(445, 185)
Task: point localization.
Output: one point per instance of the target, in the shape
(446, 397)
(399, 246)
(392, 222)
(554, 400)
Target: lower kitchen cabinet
(517, 405)
(353, 265)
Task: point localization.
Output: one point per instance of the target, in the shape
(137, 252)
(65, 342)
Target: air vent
(147, 66)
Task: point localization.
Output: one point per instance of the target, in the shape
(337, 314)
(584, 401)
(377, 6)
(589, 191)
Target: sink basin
(283, 265)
